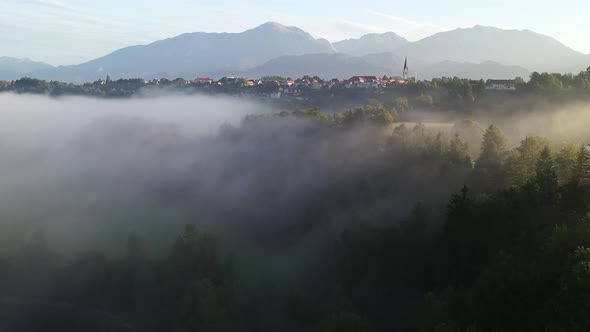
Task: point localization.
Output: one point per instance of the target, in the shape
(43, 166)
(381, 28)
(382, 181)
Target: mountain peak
(215, 54)
(371, 43)
(480, 43)
(385, 37)
(13, 68)
(10, 60)
(273, 24)
(277, 27)
(199, 53)
(484, 27)
(488, 28)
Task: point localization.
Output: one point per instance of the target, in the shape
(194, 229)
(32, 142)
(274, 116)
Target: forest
(296, 221)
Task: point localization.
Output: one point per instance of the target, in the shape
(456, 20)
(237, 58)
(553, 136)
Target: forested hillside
(306, 221)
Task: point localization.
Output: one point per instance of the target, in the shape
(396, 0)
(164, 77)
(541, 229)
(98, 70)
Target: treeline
(446, 94)
(118, 88)
(507, 251)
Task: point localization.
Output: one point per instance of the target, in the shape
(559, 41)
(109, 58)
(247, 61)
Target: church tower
(405, 72)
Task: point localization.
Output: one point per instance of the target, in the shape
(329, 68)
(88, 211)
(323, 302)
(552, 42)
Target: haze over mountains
(13, 67)
(524, 48)
(371, 43)
(274, 49)
(344, 65)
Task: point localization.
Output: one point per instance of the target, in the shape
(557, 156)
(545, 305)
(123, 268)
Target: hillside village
(291, 87)
(336, 94)
(288, 88)
(278, 88)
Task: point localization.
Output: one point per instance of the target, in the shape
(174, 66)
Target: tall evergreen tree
(520, 166)
(488, 167)
(581, 174)
(458, 151)
(546, 178)
(461, 236)
(565, 162)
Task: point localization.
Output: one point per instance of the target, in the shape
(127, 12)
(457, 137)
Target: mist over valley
(260, 177)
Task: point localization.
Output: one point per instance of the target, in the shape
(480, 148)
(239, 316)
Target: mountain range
(524, 48)
(14, 67)
(275, 49)
(371, 43)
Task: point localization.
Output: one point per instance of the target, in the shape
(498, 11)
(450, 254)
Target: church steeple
(405, 72)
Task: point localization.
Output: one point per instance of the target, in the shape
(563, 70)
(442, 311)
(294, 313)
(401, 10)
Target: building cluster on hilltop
(307, 82)
(500, 85)
(311, 82)
(287, 87)
(275, 87)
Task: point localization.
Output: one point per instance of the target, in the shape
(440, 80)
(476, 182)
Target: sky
(64, 32)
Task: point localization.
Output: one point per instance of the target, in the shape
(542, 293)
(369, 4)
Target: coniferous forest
(299, 221)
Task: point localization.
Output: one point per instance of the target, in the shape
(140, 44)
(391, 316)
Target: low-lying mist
(39, 118)
(90, 172)
(95, 196)
(559, 124)
(75, 167)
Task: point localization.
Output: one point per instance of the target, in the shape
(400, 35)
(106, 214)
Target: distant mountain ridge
(344, 65)
(371, 43)
(510, 47)
(189, 54)
(328, 65)
(472, 70)
(13, 68)
(275, 49)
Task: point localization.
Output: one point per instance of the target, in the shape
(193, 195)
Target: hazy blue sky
(73, 31)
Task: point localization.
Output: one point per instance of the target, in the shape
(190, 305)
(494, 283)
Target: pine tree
(531, 149)
(401, 134)
(545, 162)
(489, 166)
(458, 152)
(565, 162)
(521, 165)
(461, 236)
(514, 173)
(581, 174)
(419, 135)
(494, 143)
(546, 178)
(437, 146)
(460, 203)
